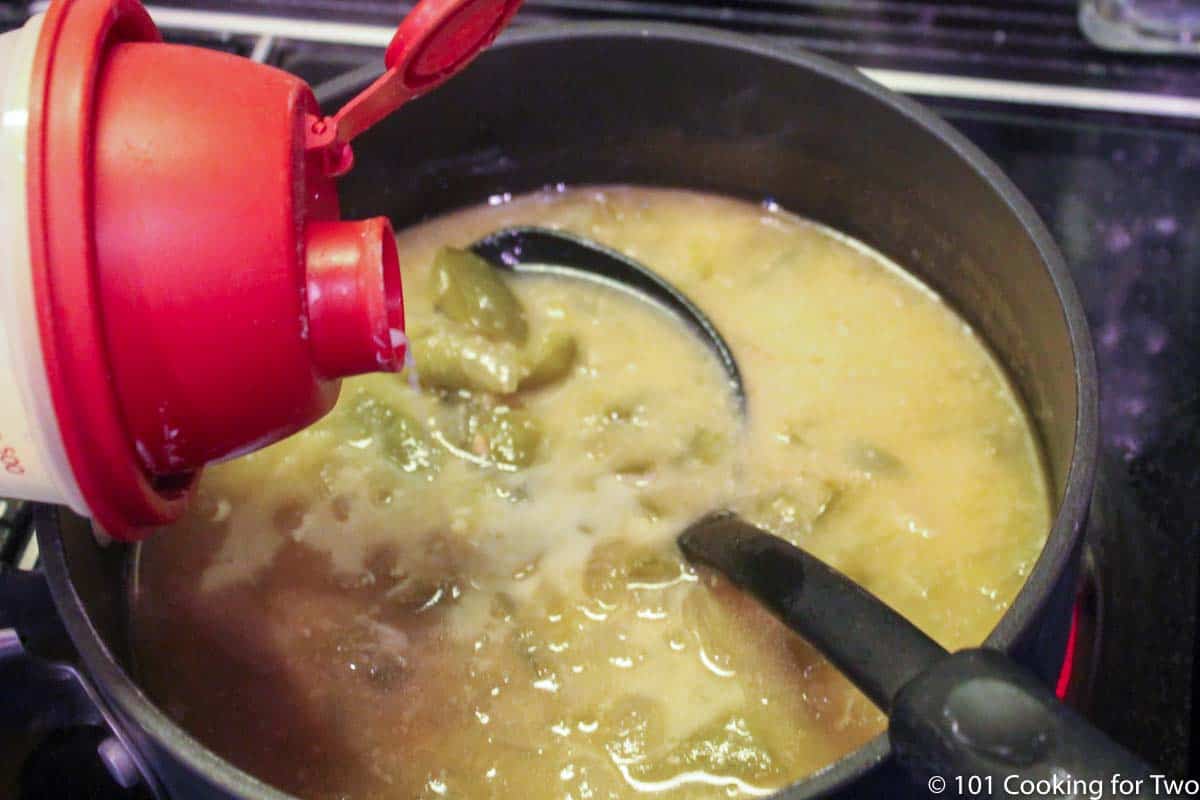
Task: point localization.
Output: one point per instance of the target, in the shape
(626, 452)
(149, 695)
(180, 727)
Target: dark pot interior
(686, 108)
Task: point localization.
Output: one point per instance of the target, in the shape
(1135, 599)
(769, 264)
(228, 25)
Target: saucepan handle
(42, 688)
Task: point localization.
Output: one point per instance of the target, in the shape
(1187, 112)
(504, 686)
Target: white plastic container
(33, 461)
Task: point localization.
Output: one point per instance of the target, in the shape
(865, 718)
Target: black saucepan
(682, 107)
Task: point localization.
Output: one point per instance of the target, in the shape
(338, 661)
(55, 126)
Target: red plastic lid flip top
(435, 41)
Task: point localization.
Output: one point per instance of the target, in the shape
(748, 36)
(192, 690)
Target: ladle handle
(876, 648)
(968, 724)
(979, 724)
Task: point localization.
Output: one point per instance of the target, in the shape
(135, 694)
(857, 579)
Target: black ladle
(973, 715)
(544, 251)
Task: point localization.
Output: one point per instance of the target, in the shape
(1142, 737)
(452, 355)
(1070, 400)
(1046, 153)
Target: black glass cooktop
(1123, 201)
(1120, 192)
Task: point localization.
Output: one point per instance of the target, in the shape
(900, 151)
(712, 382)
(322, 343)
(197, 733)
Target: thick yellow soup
(463, 583)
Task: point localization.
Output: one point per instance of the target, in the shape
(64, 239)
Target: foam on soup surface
(471, 590)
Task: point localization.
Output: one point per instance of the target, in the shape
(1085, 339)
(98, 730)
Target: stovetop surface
(1124, 206)
(1121, 194)
(1029, 39)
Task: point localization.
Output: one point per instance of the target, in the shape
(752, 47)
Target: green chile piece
(405, 445)
(504, 436)
(471, 292)
(550, 360)
(446, 361)
(400, 437)
(791, 511)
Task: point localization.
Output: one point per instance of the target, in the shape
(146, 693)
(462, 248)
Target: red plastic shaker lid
(62, 101)
(198, 300)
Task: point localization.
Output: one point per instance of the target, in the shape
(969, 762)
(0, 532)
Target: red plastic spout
(355, 303)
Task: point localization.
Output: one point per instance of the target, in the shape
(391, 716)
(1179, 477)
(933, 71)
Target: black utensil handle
(977, 724)
(877, 648)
